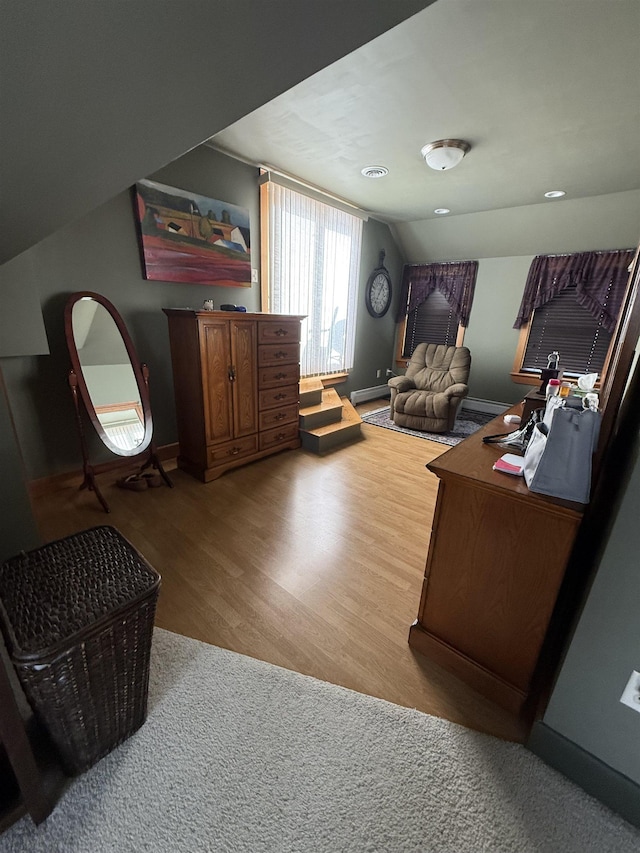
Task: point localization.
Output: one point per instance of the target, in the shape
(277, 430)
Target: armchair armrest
(457, 390)
(401, 383)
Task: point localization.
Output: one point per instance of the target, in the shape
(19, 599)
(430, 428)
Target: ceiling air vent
(375, 171)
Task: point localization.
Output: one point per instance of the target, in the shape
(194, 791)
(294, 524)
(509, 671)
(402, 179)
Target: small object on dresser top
(510, 463)
(512, 419)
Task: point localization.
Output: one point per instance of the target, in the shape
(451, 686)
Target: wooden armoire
(236, 381)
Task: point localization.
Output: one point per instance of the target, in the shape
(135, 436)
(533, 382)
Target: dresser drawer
(284, 353)
(277, 417)
(219, 453)
(275, 397)
(280, 374)
(279, 435)
(270, 332)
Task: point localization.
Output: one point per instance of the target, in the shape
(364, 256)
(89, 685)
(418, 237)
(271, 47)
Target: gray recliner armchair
(427, 397)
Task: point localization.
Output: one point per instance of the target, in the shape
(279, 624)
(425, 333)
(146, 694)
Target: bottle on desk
(553, 388)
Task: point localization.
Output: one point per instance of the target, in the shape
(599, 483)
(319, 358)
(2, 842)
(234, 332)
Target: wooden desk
(497, 557)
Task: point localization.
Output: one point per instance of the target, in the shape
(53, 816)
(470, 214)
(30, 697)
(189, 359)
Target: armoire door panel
(216, 363)
(245, 382)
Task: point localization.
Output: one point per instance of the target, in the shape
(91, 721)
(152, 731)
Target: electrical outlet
(389, 371)
(378, 374)
(254, 276)
(631, 694)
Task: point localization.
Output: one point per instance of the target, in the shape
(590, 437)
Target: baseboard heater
(475, 404)
(472, 404)
(369, 394)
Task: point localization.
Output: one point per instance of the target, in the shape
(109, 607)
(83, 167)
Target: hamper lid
(52, 593)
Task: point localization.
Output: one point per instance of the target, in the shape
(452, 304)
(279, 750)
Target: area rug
(241, 756)
(466, 424)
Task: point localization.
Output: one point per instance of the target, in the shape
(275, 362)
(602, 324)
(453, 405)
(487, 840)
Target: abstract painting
(191, 238)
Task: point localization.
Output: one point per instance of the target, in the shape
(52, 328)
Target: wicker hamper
(77, 617)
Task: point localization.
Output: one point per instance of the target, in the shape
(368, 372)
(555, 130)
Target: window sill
(525, 379)
(532, 380)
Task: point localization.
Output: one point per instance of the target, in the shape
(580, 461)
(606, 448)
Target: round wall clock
(378, 290)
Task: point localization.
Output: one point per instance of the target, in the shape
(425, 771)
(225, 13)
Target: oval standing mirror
(110, 379)
(111, 382)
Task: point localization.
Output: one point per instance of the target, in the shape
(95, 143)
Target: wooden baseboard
(472, 673)
(48, 485)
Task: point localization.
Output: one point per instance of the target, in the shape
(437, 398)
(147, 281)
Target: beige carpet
(238, 755)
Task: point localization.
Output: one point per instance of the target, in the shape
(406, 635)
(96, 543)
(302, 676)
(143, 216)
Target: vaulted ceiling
(547, 94)
(94, 96)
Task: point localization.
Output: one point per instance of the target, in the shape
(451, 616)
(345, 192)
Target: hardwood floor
(311, 563)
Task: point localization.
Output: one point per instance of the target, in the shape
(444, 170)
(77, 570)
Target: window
(563, 325)
(570, 304)
(312, 267)
(435, 304)
(433, 321)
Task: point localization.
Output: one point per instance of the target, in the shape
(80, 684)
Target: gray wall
(491, 337)
(585, 706)
(375, 336)
(17, 528)
(100, 252)
(554, 226)
(21, 327)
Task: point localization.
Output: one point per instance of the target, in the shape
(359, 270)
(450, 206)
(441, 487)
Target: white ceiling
(547, 92)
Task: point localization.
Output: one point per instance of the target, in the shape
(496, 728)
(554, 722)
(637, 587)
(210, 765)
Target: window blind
(562, 324)
(314, 265)
(433, 321)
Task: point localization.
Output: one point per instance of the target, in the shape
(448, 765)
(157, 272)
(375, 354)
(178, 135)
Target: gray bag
(558, 458)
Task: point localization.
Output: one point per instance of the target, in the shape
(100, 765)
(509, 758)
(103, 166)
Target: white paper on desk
(515, 464)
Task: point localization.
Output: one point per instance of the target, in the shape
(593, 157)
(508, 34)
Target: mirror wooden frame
(79, 390)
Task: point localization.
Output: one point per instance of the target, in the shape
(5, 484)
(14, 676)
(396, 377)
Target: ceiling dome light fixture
(555, 194)
(374, 171)
(441, 211)
(445, 153)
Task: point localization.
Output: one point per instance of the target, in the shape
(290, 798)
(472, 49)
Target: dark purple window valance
(456, 280)
(600, 279)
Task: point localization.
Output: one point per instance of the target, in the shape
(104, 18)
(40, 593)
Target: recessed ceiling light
(441, 210)
(375, 171)
(555, 194)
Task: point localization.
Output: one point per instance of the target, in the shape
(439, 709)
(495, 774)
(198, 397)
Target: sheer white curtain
(314, 262)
